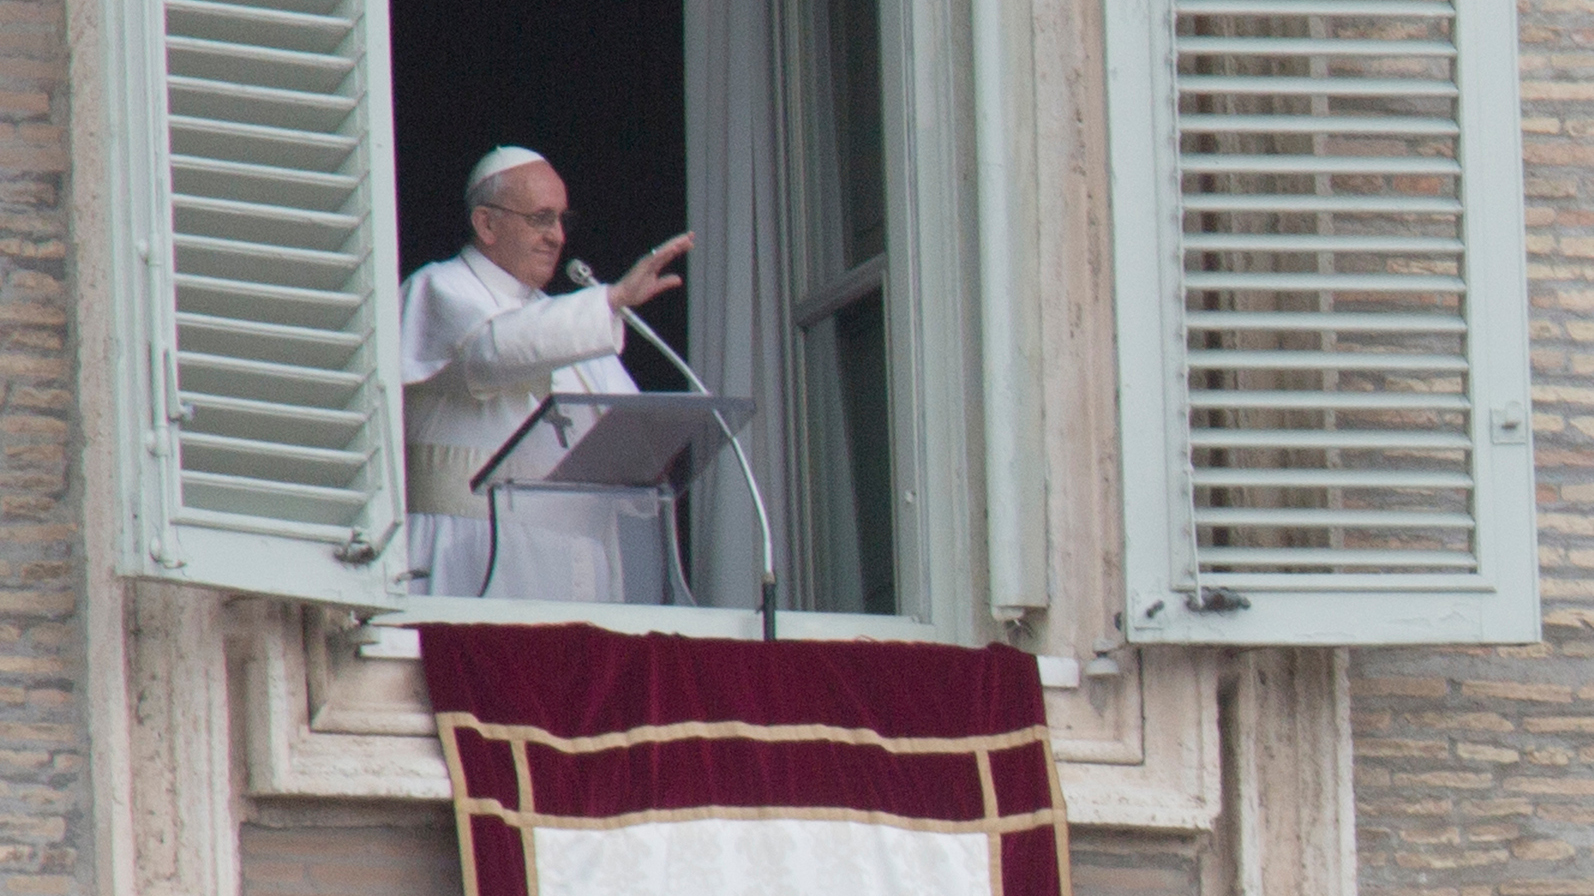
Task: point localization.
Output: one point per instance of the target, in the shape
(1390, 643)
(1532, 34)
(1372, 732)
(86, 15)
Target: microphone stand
(581, 274)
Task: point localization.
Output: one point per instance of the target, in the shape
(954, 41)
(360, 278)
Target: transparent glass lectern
(585, 490)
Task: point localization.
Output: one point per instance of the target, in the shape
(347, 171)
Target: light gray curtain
(734, 281)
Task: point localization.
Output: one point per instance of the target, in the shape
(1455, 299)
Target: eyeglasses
(543, 220)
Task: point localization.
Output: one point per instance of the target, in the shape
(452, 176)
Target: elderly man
(482, 345)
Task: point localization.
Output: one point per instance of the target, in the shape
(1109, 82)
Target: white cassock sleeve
(520, 345)
(503, 335)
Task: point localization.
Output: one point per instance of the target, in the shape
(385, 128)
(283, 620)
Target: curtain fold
(585, 761)
(733, 277)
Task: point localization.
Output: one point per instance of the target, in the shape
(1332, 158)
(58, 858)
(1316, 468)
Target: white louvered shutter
(1322, 321)
(272, 304)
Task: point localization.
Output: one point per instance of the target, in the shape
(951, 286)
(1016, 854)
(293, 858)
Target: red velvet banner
(558, 733)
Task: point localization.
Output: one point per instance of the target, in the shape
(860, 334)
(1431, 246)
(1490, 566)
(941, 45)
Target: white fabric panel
(788, 857)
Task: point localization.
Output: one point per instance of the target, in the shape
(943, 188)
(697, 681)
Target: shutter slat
(328, 349)
(269, 421)
(269, 106)
(1386, 440)
(277, 265)
(1233, 477)
(274, 461)
(1359, 8)
(268, 303)
(256, 25)
(1240, 163)
(267, 381)
(1312, 400)
(262, 66)
(1235, 359)
(1324, 321)
(260, 144)
(1278, 85)
(1306, 46)
(275, 500)
(1328, 518)
(1402, 126)
(260, 223)
(1284, 281)
(1314, 242)
(244, 182)
(1377, 559)
(1384, 204)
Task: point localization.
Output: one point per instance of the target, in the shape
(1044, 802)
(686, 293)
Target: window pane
(849, 461)
(854, 36)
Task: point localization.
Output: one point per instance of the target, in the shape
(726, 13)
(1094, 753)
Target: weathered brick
(1452, 779)
(1394, 747)
(1449, 836)
(1493, 833)
(1559, 724)
(1566, 589)
(1487, 753)
(1552, 187)
(1437, 860)
(1547, 888)
(1461, 721)
(1496, 808)
(1368, 777)
(1363, 722)
(42, 884)
(38, 603)
(1542, 850)
(1517, 690)
(1567, 813)
(1552, 756)
(1399, 687)
(40, 828)
(1404, 807)
(1561, 786)
(1537, 651)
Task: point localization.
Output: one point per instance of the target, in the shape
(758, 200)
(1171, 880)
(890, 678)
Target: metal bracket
(1509, 424)
(1217, 600)
(360, 551)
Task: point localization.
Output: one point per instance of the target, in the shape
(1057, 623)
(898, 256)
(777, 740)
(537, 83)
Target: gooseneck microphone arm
(580, 273)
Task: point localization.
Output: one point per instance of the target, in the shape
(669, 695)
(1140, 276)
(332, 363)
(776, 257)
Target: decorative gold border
(644, 734)
(993, 824)
(1006, 825)
(1065, 874)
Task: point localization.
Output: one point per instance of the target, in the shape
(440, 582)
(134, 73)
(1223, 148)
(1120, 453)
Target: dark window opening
(597, 88)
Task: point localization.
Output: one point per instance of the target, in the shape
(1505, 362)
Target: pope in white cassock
(482, 345)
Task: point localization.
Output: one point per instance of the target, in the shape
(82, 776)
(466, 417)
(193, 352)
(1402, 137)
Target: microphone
(580, 273)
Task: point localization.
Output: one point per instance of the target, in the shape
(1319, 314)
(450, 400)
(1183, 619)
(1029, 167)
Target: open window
(264, 451)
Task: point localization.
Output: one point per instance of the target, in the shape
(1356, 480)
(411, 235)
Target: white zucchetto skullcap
(502, 158)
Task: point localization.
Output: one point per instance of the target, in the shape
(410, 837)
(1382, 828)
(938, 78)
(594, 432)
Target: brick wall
(43, 812)
(1475, 767)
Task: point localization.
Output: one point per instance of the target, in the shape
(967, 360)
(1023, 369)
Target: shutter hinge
(1217, 600)
(360, 551)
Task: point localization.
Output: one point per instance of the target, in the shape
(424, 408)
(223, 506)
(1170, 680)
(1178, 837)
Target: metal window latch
(1217, 600)
(1509, 424)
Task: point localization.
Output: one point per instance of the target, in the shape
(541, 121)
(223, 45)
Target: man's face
(510, 240)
